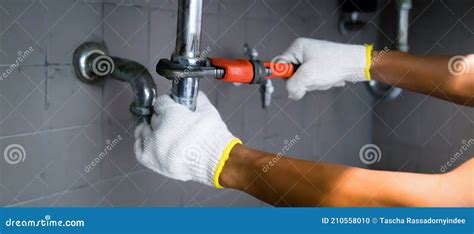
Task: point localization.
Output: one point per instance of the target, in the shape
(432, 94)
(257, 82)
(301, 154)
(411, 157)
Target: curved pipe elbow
(142, 84)
(92, 64)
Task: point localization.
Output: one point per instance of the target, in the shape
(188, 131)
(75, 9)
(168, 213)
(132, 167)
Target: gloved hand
(185, 145)
(325, 64)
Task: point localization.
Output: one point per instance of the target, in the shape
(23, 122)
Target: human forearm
(325, 65)
(426, 74)
(280, 184)
(292, 182)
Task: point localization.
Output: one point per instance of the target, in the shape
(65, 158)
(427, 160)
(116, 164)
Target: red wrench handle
(236, 70)
(281, 70)
(252, 71)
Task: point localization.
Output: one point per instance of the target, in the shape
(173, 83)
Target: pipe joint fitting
(92, 65)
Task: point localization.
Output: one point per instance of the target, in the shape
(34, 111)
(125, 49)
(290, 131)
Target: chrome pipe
(188, 40)
(403, 23)
(92, 65)
(143, 87)
(382, 90)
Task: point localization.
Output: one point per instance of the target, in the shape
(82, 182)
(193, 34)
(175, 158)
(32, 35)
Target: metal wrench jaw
(227, 70)
(175, 71)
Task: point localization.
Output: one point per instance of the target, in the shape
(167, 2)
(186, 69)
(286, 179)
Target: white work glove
(325, 64)
(185, 145)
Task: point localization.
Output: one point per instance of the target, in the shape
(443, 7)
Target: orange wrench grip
(280, 70)
(236, 70)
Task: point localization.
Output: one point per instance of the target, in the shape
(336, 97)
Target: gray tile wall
(419, 133)
(63, 124)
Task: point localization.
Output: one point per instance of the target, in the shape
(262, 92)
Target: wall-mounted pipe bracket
(92, 65)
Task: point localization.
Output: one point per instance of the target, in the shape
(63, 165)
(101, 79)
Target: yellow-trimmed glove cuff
(368, 60)
(224, 157)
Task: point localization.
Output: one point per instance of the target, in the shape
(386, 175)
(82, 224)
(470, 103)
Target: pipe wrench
(228, 70)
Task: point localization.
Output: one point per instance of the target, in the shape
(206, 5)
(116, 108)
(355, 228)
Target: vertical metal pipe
(403, 22)
(188, 40)
(383, 90)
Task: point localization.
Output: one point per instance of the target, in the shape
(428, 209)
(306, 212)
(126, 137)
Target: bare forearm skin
(292, 182)
(429, 75)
